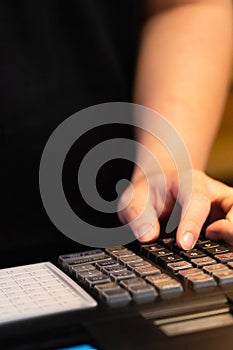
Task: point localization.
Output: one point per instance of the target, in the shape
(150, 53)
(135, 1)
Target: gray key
(157, 278)
(124, 274)
(130, 259)
(200, 262)
(201, 280)
(214, 268)
(106, 286)
(184, 274)
(223, 258)
(84, 274)
(133, 265)
(92, 281)
(78, 268)
(116, 297)
(101, 264)
(179, 265)
(132, 282)
(224, 276)
(147, 271)
(124, 252)
(143, 293)
(114, 268)
(168, 286)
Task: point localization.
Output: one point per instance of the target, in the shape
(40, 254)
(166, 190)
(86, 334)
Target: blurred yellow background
(220, 163)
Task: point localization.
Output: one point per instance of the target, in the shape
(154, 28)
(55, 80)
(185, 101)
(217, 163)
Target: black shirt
(56, 58)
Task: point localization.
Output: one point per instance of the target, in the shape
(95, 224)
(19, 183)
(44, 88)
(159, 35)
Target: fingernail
(145, 232)
(188, 241)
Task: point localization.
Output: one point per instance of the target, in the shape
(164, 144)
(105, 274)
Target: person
(183, 73)
(172, 56)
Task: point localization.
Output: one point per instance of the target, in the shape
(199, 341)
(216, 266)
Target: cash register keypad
(118, 275)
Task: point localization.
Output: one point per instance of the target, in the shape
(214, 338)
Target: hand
(211, 202)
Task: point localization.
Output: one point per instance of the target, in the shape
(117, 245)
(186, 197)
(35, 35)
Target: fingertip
(147, 233)
(186, 241)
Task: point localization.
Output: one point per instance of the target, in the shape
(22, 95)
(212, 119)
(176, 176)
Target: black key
(223, 258)
(116, 297)
(156, 254)
(168, 242)
(217, 250)
(149, 248)
(192, 254)
(202, 240)
(164, 260)
(207, 245)
(143, 293)
(200, 262)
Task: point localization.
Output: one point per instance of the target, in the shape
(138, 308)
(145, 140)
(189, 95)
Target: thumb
(140, 214)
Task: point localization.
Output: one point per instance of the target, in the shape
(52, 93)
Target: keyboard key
(114, 268)
(130, 259)
(184, 274)
(207, 245)
(78, 268)
(64, 259)
(180, 265)
(192, 254)
(92, 281)
(106, 286)
(132, 282)
(230, 264)
(157, 254)
(168, 286)
(214, 268)
(115, 249)
(124, 274)
(201, 280)
(101, 264)
(223, 258)
(143, 293)
(200, 262)
(164, 260)
(116, 297)
(157, 278)
(217, 250)
(224, 276)
(147, 271)
(132, 266)
(149, 248)
(122, 253)
(82, 275)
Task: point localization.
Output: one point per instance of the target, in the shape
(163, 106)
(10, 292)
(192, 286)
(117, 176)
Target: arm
(183, 73)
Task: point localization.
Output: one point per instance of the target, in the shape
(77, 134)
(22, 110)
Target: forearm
(183, 72)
